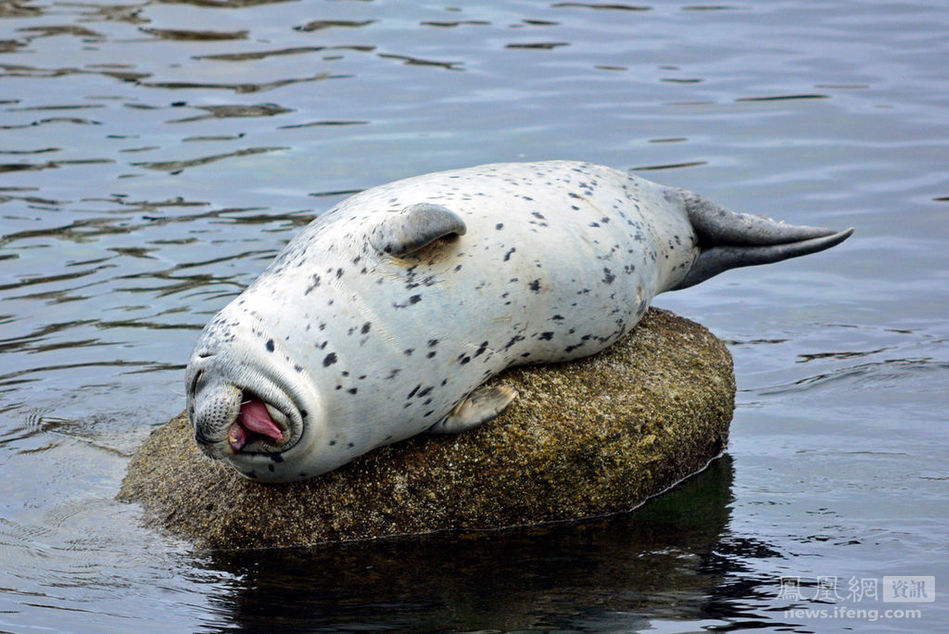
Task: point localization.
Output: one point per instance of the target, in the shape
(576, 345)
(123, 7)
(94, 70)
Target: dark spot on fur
(270, 346)
(546, 336)
(534, 286)
(329, 360)
(499, 226)
(365, 327)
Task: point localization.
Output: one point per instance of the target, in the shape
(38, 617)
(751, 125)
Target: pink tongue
(255, 417)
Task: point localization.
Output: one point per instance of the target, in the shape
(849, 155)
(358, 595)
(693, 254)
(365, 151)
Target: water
(154, 157)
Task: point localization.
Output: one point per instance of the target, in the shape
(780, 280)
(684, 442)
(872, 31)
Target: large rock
(586, 438)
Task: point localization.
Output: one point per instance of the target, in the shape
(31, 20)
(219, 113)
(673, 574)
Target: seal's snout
(213, 407)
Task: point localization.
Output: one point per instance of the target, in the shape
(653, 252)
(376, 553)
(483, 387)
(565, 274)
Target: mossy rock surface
(585, 438)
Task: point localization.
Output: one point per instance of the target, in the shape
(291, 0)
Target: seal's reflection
(664, 560)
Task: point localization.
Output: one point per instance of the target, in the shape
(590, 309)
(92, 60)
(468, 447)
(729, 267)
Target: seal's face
(250, 408)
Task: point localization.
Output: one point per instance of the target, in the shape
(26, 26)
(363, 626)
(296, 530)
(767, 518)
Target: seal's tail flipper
(728, 240)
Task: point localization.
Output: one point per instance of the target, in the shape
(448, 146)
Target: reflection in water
(176, 167)
(595, 5)
(414, 61)
(674, 557)
(188, 35)
(241, 87)
(318, 25)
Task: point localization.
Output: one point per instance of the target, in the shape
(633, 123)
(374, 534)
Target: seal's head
(251, 407)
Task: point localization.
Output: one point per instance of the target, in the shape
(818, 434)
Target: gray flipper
(481, 406)
(729, 240)
(415, 227)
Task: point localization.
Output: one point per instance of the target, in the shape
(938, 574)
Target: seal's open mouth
(257, 422)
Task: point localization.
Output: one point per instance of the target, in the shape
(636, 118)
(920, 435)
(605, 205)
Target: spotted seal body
(382, 318)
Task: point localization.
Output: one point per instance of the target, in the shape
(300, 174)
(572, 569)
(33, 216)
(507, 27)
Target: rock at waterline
(586, 438)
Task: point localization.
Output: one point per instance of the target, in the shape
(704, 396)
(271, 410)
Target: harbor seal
(383, 317)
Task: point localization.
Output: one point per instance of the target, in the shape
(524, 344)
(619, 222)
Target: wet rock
(586, 438)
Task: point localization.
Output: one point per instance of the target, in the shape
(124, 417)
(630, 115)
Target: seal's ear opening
(414, 228)
(729, 240)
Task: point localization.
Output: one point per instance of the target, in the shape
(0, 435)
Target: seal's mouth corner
(258, 423)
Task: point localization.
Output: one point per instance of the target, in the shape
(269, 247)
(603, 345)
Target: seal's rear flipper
(729, 240)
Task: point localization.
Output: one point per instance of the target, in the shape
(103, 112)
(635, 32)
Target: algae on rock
(585, 438)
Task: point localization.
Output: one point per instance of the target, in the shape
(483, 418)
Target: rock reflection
(664, 560)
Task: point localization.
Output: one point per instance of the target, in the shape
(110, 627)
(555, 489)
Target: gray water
(155, 156)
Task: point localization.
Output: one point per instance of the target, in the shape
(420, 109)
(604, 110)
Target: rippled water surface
(154, 156)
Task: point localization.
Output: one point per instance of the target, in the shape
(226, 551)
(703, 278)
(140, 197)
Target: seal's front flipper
(481, 406)
(415, 227)
(728, 240)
